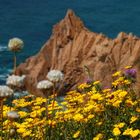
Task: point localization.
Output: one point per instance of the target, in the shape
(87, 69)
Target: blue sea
(32, 21)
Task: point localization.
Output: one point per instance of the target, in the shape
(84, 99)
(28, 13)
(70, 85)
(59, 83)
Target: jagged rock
(72, 46)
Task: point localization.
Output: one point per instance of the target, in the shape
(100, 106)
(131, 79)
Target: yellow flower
(128, 131)
(76, 135)
(64, 103)
(22, 114)
(99, 123)
(116, 131)
(98, 137)
(83, 86)
(52, 123)
(138, 109)
(42, 109)
(97, 96)
(133, 119)
(78, 117)
(94, 90)
(115, 84)
(79, 108)
(107, 90)
(127, 82)
(27, 133)
(29, 120)
(135, 133)
(39, 101)
(120, 125)
(131, 132)
(117, 103)
(36, 107)
(128, 67)
(121, 79)
(33, 114)
(90, 116)
(118, 73)
(21, 130)
(96, 83)
(129, 102)
(122, 94)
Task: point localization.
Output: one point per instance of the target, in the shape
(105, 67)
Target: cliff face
(72, 46)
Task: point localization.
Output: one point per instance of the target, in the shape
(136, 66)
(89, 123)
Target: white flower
(15, 44)
(44, 84)
(5, 91)
(12, 132)
(55, 75)
(15, 80)
(13, 115)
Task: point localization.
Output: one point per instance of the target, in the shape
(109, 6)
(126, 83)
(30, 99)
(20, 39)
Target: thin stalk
(87, 71)
(15, 62)
(46, 105)
(51, 132)
(53, 98)
(46, 112)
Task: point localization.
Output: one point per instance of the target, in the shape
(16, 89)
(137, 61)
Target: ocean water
(32, 20)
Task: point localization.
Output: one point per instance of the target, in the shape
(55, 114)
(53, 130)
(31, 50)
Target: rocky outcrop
(72, 46)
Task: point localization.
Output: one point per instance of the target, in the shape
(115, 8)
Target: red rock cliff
(72, 46)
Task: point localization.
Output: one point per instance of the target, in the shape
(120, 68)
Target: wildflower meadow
(88, 113)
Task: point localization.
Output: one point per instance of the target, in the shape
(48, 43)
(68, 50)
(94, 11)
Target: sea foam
(3, 48)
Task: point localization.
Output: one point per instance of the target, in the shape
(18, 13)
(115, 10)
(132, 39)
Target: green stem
(47, 109)
(15, 62)
(53, 105)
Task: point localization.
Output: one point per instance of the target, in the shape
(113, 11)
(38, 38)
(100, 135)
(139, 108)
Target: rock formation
(72, 46)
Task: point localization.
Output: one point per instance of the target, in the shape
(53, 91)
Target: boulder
(71, 47)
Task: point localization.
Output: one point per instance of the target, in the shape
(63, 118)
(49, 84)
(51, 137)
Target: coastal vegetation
(90, 112)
